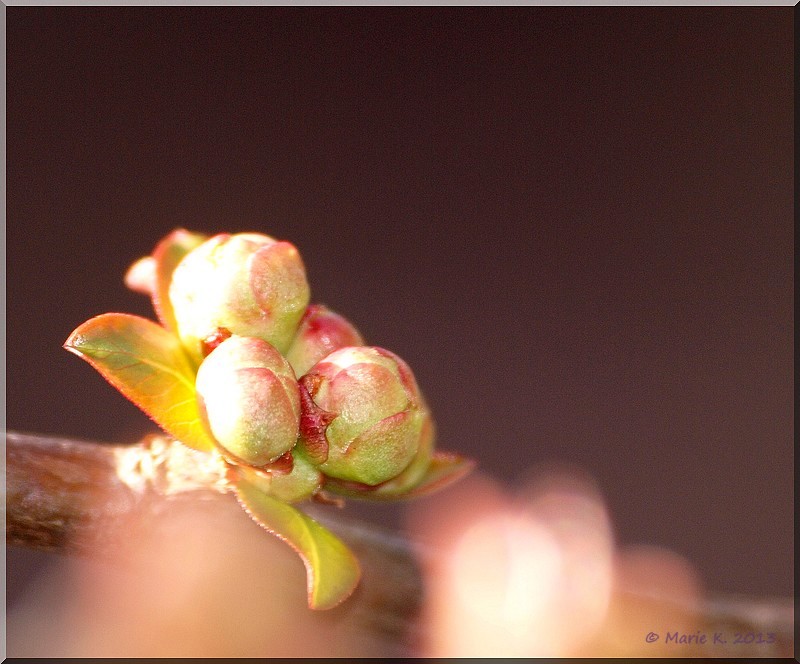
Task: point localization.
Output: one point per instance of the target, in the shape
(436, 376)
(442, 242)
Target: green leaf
(444, 469)
(149, 366)
(167, 254)
(332, 570)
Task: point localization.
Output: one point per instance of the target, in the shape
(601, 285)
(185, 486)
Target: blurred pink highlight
(537, 574)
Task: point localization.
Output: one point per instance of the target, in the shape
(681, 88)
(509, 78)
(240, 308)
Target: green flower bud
(321, 332)
(367, 406)
(247, 283)
(250, 400)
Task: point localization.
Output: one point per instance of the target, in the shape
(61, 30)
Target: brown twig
(60, 494)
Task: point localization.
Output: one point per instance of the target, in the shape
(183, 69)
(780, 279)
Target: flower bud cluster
(287, 388)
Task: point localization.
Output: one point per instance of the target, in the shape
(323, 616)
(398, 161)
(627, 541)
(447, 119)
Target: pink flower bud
(250, 400)
(370, 411)
(321, 332)
(248, 283)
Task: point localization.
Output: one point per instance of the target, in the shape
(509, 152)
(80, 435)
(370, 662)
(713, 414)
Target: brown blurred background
(574, 224)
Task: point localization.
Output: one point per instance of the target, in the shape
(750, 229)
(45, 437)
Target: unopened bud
(321, 332)
(250, 399)
(374, 413)
(250, 284)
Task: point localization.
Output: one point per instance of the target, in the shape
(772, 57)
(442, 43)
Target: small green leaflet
(332, 570)
(149, 366)
(445, 468)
